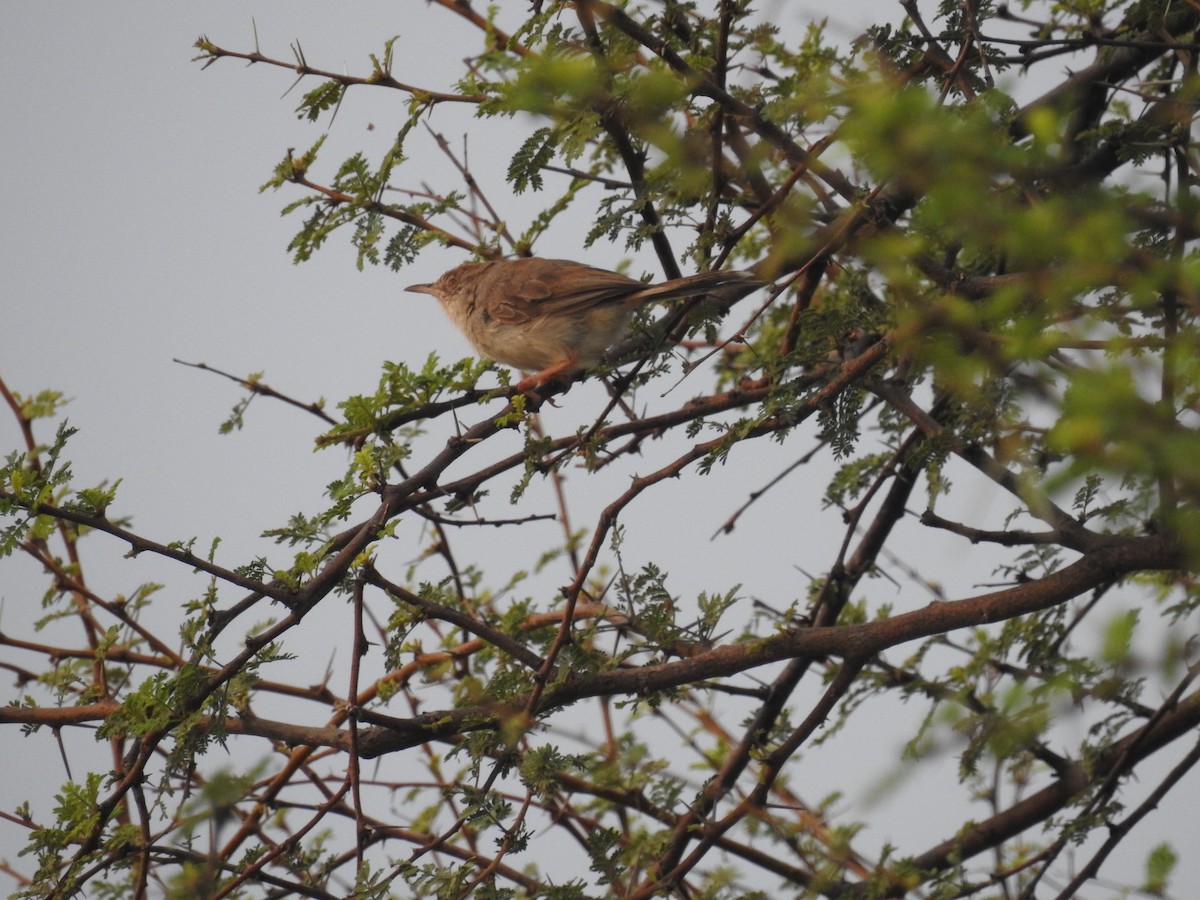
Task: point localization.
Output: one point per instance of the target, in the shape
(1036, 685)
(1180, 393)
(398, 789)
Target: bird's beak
(422, 289)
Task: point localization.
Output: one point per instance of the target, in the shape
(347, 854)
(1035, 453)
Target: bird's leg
(530, 383)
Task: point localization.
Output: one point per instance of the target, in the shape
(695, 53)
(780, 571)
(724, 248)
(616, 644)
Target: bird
(556, 316)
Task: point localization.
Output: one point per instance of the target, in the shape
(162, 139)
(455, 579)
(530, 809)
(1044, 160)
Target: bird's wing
(525, 289)
(540, 287)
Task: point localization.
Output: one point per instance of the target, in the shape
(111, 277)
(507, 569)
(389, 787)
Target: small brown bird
(551, 316)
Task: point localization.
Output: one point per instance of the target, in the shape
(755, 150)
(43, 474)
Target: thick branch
(1118, 557)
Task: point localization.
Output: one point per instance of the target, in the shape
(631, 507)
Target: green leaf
(1159, 866)
(1118, 635)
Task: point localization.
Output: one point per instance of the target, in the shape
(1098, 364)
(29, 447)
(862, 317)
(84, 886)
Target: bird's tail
(723, 282)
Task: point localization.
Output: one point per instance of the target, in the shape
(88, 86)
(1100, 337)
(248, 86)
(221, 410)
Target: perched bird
(551, 316)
